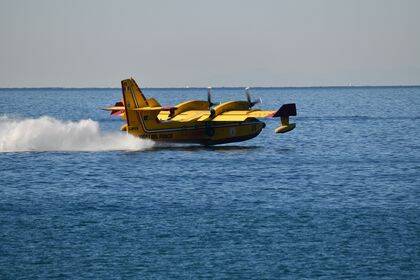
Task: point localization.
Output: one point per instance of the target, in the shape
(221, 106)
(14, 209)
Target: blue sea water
(337, 198)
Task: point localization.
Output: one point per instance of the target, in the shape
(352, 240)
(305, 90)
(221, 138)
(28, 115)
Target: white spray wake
(49, 134)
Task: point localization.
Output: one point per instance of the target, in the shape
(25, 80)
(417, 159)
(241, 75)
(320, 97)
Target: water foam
(50, 134)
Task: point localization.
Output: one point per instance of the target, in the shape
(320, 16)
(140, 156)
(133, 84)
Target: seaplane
(195, 121)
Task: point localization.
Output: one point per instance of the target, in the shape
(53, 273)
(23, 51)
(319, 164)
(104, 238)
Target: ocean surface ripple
(336, 198)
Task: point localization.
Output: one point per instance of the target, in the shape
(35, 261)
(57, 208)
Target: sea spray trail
(50, 134)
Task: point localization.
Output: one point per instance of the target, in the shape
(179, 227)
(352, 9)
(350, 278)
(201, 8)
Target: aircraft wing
(231, 115)
(284, 110)
(203, 115)
(188, 116)
(243, 115)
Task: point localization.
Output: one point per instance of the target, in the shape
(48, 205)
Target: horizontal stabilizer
(115, 110)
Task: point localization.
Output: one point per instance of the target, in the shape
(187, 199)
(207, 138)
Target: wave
(50, 134)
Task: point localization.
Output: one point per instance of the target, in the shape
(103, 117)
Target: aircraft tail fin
(133, 99)
(133, 96)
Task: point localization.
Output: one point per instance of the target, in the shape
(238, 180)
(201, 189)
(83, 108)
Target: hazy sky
(199, 43)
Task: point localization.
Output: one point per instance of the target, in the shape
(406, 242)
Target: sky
(97, 43)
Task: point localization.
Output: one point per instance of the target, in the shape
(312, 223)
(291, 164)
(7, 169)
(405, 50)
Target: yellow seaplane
(195, 121)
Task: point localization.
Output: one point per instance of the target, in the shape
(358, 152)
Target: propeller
(248, 98)
(211, 104)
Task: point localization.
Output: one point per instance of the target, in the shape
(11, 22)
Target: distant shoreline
(221, 87)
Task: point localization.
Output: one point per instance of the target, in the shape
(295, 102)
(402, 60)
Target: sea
(336, 198)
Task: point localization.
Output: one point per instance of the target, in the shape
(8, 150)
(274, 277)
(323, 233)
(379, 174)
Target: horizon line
(219, 87)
